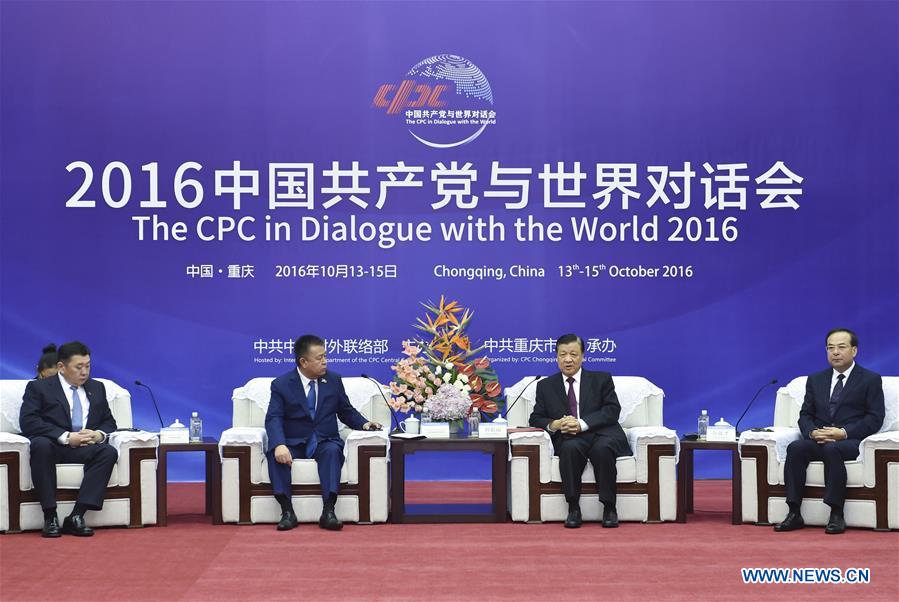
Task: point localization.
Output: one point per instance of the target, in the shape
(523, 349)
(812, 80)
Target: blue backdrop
(808, 89)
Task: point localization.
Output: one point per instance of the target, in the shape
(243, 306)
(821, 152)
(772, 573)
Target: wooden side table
(497, 448)
(685, 477)
(210, 446)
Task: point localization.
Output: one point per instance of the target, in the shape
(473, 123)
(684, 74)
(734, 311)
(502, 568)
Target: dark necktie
(572, 398)
(835, 396)
(312, 441)
(311, 397)
(77, 414)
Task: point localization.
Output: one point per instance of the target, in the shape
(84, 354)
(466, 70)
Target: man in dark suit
(68, 419)
(301, 422)
(842, 406)
(579, 409)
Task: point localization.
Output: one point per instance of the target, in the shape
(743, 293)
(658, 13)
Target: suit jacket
(45, 410)
(288, 421)
(860, 409)
(597, 404)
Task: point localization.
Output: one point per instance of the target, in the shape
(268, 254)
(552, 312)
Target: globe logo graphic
(465, 105)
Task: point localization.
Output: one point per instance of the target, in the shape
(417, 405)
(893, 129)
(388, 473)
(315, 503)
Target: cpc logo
(445, 101)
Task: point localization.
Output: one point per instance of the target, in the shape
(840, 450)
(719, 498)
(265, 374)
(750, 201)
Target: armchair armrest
(17, 444)
(357, 439)
(887, 441)
(775, 443)
(541, 440)
(366, 464)
(256, 439)
(244, 435)
(124, 442)
(641, 437)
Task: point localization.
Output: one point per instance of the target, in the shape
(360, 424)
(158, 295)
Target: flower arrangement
(444, 378)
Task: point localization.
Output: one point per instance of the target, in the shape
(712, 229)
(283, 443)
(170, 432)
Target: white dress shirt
(833, 379)
(306, 386)
(85, 406)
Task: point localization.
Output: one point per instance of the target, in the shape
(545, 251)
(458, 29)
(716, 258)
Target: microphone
(153, 397)
(387, 403)
(526, 387)
(768, 384)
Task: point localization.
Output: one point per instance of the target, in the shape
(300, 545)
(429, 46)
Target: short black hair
(569, 338)
(853, 338)
(68, 350)
(49, 358)
(301, 345)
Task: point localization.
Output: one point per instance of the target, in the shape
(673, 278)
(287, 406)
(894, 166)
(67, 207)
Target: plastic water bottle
(702, 429)
(474, 422)
(196, 428)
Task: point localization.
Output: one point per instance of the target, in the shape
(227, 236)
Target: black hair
(570, 338)
(853, 338)
(68, 350)
(49, 358)
(301, 345)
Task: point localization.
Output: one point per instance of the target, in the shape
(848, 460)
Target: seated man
(301, 422)
(843, 405)
(580, 410)
(67, 418)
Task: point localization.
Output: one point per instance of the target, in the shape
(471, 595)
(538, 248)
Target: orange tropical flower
(475, 383)
(466, 369)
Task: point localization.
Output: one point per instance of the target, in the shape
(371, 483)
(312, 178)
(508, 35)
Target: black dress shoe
(329, 520)
(75, 525)
(609, 518)
(792, 522)
(288, 521)
(574, 518)
(51, 527)
(836, 524)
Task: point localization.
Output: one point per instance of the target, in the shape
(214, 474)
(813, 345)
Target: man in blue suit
(842, 406)
(301, 422)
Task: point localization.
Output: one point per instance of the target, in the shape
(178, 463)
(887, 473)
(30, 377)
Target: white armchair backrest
(789, 401)
(250, 401)
(12, 391)
(641, 401)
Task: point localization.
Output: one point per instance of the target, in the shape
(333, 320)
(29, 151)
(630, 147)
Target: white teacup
(411, 425)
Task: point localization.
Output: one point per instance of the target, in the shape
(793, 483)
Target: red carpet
(191, 560)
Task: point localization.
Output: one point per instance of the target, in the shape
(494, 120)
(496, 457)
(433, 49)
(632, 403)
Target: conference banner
(700, 190)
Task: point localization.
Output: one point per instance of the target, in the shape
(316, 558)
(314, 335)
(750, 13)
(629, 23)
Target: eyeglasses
(843, 347)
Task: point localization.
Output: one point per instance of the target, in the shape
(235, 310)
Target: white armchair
(130, 496)
(647, 482)
(247, 495)
(872, 498)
